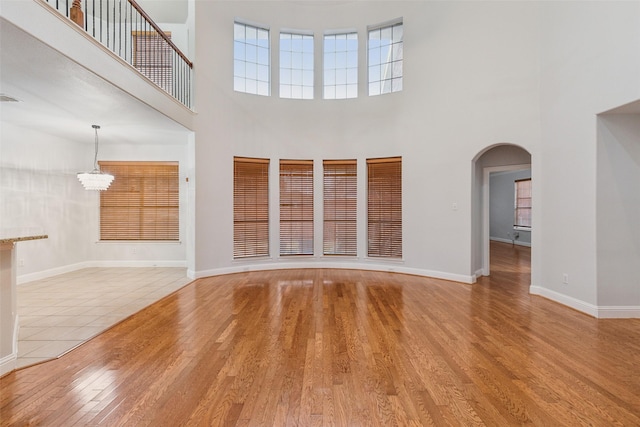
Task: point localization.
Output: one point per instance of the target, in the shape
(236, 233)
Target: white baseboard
(574, 303)
(515, 242)
(463, 278)
(355, 265)
(8, 362)
(25, 278)
(599, 312)
(152, 263)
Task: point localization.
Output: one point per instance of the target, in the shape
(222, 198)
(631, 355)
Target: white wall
(589, 64)
(470, 81)
(501, 209)
(618, 215)
(39, 190)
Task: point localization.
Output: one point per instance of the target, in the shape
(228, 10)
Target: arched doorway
(494, 159)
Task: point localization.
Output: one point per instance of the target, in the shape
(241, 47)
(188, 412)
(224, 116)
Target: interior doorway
(499, 205)
(617, 212)
(496, 159)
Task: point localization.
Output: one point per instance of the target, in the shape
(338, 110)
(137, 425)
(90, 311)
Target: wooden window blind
(523, 203)
(296, 207)
(154, 57)
(384, 213)
(340, 207)
(250, 207)
(142, 203)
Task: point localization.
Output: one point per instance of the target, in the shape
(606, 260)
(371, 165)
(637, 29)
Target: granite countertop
(22, 238)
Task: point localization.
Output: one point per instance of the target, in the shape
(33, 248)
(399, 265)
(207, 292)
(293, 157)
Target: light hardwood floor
(343, 347)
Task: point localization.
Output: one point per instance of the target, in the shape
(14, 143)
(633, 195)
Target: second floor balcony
(128, 31)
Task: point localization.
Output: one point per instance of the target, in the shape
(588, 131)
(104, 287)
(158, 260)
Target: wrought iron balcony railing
(126, 29)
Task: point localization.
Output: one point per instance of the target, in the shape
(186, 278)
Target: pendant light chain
(95, 157)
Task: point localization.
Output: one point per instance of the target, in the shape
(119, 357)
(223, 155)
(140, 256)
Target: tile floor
(61, 312)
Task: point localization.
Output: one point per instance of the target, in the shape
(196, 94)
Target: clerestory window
(296, 66)
(385, 58)
(341, 66)
(251, 59)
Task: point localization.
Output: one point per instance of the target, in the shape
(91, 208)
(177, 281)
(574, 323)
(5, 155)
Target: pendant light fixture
(95, 180)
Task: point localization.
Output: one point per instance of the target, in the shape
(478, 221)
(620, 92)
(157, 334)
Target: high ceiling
(60, 97)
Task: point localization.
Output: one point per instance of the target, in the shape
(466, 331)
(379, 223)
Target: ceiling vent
(7, 98)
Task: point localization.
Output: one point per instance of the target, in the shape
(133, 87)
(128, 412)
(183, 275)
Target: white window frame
(340, 81)
(390, 72)
(250, 72)
(297, 82)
